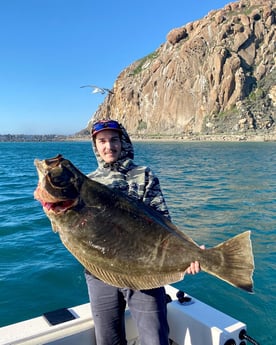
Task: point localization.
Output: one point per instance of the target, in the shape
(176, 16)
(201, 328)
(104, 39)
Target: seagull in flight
(97, 89)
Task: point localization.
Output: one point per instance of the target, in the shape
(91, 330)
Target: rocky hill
(213, 76)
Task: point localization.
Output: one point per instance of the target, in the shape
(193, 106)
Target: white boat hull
(193, 323)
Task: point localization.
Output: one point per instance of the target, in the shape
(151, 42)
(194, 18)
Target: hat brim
(106, 129)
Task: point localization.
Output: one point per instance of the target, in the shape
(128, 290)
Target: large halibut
(126, 243)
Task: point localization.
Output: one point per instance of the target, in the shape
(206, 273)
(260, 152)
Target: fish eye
(60, 177)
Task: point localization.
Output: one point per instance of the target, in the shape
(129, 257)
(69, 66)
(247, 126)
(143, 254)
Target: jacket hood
(127, 152)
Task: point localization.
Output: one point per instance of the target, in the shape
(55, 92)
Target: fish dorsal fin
(127, 280)
(135, 282)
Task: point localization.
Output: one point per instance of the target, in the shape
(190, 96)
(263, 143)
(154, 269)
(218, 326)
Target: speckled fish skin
(124, 242)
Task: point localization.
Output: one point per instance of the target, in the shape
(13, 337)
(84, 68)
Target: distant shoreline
(213, 138)
(265, 137)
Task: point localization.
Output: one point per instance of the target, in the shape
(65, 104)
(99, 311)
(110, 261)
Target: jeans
(147, 307)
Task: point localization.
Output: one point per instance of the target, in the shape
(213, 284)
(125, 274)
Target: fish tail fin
(233, 261)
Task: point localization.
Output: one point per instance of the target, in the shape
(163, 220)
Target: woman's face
(109, 146)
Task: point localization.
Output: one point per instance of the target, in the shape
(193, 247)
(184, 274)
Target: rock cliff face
(214, 75)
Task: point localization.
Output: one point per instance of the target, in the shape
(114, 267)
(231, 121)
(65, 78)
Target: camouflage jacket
(137, 181)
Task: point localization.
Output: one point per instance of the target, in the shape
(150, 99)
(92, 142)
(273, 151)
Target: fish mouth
(57, 189)
(51, 204)
(59, 206)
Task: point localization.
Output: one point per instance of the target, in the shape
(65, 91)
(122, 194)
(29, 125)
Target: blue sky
(49, 48)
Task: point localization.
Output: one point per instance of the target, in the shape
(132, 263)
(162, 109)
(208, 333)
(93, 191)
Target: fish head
(59, 183)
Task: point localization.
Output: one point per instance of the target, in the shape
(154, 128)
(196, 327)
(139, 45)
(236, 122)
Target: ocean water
(213, 190)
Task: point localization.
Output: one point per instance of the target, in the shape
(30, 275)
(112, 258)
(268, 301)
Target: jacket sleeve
(153, 195)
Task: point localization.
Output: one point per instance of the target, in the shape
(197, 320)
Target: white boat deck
(194, 323)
